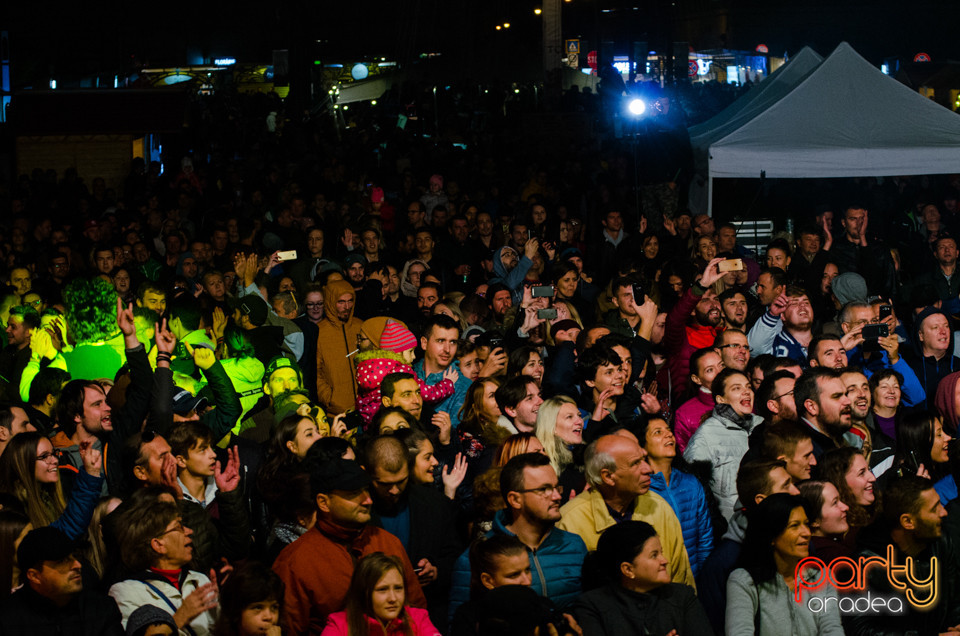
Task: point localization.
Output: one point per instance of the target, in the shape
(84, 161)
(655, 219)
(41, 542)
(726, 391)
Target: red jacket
(316, 570)
(676, 340)
(420, 625)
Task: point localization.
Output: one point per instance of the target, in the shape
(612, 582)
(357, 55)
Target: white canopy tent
(844, 118)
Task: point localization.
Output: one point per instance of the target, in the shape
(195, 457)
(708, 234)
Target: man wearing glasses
(619, 475)
(530, 488)
(733, 348)
(156, 547)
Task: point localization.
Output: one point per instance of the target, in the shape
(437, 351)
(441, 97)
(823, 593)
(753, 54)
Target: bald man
(619, 475)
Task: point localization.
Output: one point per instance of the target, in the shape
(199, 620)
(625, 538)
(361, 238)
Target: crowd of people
(396, 388)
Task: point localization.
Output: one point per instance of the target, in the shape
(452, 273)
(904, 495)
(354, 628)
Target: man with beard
(877, 447)
(341, 536)
(774, 400)
(734, 349)
(912, 524)
(439, 343)
(823, 405)
(789, 336)
(733, 305)
(532, 493)
(826, 351)
(337, 337)
(418, 515)
(691, 324)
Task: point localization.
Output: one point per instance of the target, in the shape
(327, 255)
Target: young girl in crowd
(376, 603)
(251, 603)
(827, 516)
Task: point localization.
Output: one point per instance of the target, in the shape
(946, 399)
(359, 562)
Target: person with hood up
(511, 270)
(945, 402)
(933, 357)
(339, 334)
(387, 346)
(188, 267)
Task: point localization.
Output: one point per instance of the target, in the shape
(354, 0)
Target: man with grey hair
(619, 475)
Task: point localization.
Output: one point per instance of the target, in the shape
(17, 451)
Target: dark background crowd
(352, 377)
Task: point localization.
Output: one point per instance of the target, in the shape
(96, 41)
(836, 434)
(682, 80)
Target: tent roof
(756, 99)
(844, 119)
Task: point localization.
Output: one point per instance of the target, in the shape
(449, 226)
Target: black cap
(338, 474)
(184, 401)
(43, 544)
(255, 307)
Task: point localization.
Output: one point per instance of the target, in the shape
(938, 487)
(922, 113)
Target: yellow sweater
(587, 516)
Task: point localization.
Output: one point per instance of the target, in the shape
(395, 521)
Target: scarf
(726, 412)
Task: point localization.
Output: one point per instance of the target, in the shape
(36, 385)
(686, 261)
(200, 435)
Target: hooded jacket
(929, 370)
(373, 366)
(514, 278)
(945, 402)
(336, 373)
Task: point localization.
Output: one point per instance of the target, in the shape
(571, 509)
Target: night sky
(75, 39)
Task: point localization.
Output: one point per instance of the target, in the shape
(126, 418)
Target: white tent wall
(843, 119)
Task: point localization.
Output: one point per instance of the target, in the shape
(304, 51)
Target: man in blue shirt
(439, 343)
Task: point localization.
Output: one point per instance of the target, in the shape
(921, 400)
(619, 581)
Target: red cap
(376, 195)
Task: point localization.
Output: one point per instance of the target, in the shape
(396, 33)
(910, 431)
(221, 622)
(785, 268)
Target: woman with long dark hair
(827, 517)
(30, 471)
(923, 448)
(848, 471)
(672, 481)
(761, 592)
(376, 603)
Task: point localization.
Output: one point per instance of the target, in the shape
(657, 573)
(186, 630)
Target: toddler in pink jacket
(394, 353)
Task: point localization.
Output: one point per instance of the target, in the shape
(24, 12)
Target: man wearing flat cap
(316, 569)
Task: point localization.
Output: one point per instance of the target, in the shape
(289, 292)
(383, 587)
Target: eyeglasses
(782, 395)
(45, 457)
(314, 304)
(177, 528)
(545, 491)
(734, 345)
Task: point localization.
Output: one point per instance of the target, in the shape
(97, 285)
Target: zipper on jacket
(353, 374)
(543, 581)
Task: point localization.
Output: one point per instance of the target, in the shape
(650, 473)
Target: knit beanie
(849, 287)
(397, 338)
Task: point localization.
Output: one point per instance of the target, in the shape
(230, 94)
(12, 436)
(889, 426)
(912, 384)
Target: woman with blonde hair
(451, 307)
(560, 430)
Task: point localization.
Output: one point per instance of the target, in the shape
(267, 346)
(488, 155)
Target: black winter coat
(89, 614)
(616, 611)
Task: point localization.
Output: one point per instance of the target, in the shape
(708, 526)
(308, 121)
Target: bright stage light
(636, 107)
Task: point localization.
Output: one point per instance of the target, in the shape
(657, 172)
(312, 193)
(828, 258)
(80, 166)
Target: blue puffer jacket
(555, 567)
(686, 496)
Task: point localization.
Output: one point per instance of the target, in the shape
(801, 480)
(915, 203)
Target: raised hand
(125, 319)
(219, 323)
(339, 428)
(91, 457)
(453, 476)
(494, 364)
(599, 412)
(711, 273)
(168, 475)
(669, 226)
(441, 419)
(203, 357)
(164, 338)
(778, 306)
(228, 479)
(202, 599)
(531, 247)
(41, 344)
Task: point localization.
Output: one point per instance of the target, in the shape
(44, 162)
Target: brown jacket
(336, 373)
(316, 571)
